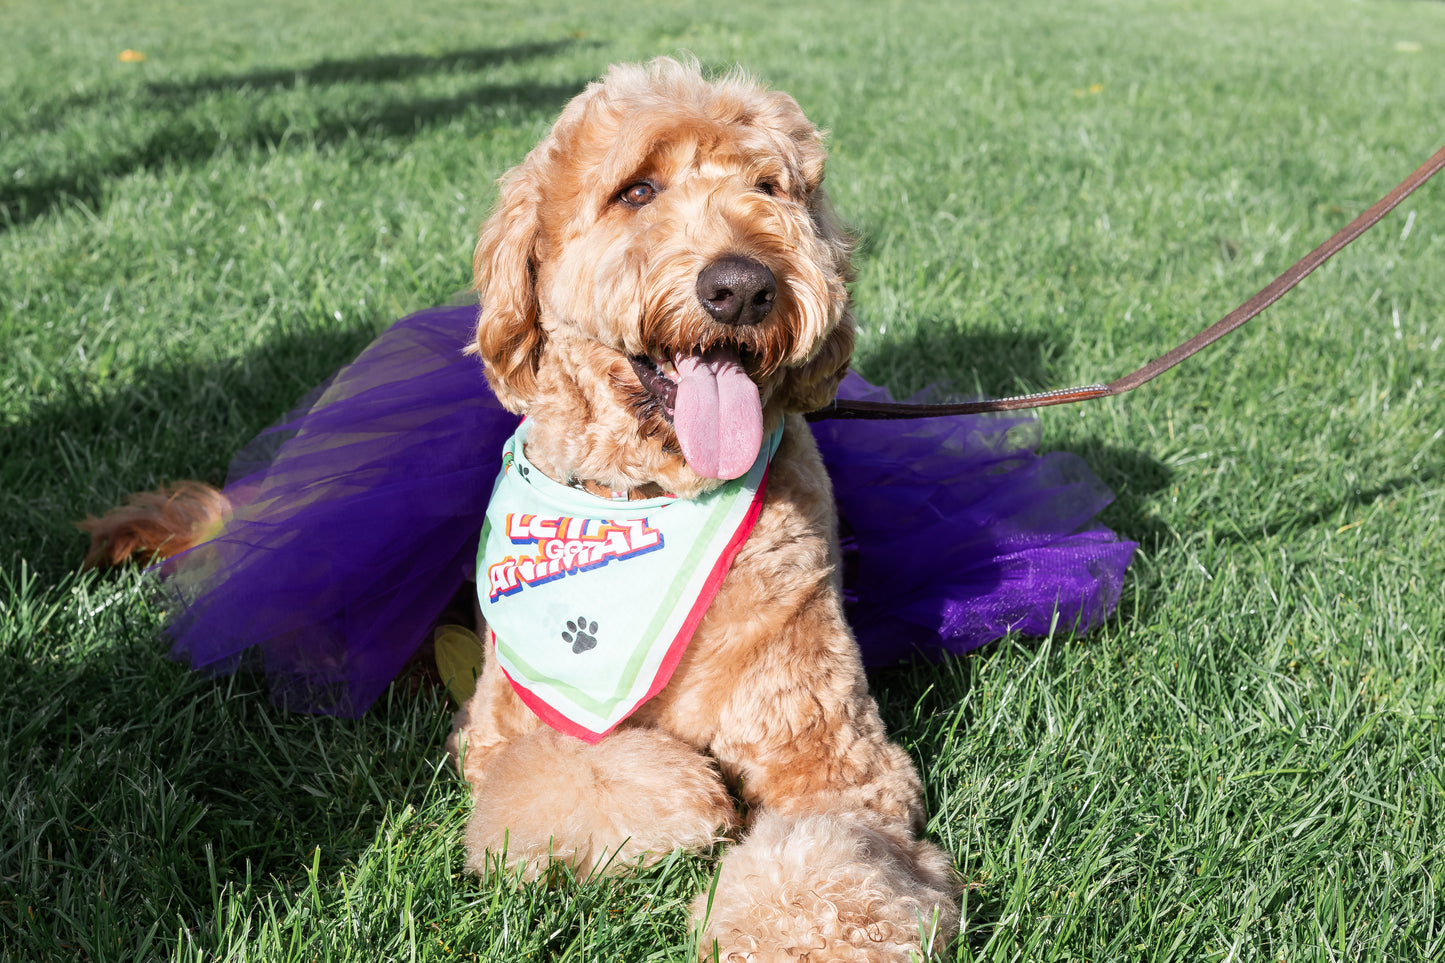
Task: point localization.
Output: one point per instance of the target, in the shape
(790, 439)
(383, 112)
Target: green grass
(1248, 763)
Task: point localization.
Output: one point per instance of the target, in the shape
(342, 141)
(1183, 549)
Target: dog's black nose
(737, 290)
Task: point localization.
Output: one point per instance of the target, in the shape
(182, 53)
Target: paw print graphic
(581, 634)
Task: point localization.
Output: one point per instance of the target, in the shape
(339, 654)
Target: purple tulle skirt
(356, 522)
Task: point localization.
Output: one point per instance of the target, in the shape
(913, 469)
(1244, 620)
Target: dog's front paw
(837, 887)
(634, 797)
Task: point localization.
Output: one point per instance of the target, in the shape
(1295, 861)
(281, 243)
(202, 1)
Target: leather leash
(1272, 292)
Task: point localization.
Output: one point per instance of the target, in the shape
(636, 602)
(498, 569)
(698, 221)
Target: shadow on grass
(1134, 477)
(384, 67)
(136, 790)
(90, 445)
(1285, 523)
(248, 110)
(948, 364)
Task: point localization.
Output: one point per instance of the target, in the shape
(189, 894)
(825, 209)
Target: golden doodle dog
(663, 286)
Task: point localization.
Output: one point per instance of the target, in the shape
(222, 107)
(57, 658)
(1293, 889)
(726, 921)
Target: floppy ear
(509, 339)
(814, 385)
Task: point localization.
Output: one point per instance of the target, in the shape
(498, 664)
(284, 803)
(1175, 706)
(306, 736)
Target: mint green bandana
(592, 601)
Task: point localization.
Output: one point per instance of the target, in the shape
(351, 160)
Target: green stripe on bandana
(592, 601)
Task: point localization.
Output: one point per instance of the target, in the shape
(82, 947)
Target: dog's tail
(154, 525)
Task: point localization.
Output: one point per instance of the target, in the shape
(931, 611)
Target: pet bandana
(592, 601)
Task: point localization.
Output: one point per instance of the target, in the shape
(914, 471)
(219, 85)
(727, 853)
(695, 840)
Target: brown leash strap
(1275, 290)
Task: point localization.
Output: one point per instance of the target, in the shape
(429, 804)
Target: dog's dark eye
(767, 187)
(638, 195)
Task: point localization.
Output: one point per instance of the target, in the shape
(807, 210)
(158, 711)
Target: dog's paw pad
(581, 634)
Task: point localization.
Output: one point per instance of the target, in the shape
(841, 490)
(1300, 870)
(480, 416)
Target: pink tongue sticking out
(717, 414)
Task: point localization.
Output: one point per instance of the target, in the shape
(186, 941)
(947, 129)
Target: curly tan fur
(634, 797)
(154, 525)
(771, 690)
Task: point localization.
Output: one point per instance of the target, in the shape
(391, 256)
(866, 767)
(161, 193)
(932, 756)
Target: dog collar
(591, 602)
(599, 490)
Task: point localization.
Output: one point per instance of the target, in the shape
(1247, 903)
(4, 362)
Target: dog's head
(663, 279)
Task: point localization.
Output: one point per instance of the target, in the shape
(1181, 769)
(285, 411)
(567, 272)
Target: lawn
(1246, 763)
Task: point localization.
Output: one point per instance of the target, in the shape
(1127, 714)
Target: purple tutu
(356, 522)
